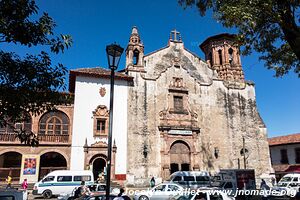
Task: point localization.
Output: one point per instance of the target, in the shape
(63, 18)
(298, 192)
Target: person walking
(152, 182)
(8, 181)
(121, 195)
(265, 188)
(24, 184)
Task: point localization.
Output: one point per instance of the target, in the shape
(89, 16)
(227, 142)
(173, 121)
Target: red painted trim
(121, 177)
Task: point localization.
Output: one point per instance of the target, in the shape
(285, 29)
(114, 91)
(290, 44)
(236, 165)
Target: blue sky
(93, 24)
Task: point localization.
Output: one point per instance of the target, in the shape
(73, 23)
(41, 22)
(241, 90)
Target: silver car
(200, 194)
(159, 192)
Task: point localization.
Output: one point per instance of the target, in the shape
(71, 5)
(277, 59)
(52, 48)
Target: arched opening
(51, 161)
(210, 59)
(230, 52)
(220, 57)
(180, 157)
(136, 57)
(10, 164)
(99, 164)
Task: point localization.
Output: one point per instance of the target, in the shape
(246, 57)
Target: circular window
(242, 152)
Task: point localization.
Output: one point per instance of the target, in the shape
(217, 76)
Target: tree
(29, 85)
(270, 27)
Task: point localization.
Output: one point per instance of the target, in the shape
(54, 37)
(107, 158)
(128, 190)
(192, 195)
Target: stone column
(226, 54)
(113, 163)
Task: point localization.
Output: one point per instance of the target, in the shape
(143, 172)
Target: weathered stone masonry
(189, 114)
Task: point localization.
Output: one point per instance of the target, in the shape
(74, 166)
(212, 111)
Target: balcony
(10, 138)
(54, 138)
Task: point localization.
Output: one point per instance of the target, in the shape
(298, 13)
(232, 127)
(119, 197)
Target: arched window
(26, 125)
(230, 52)
(10, 127)
(136, 57)
(220, 56)
(54, 123)
(210, 59)
(6, 129)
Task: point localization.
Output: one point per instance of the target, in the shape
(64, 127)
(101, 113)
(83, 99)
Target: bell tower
(223, 55)
(134, 51)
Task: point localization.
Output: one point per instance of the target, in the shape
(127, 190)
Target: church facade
(191, 114)
(172, 111)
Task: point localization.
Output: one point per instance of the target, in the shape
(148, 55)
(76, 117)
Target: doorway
(99, 165)
(180, 156)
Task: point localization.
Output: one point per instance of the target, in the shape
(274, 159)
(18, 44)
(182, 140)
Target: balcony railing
(54, 138)
(8, 137)
(11, 137)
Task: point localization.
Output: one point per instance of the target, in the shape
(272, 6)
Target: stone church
(191, 114)
(172, 111)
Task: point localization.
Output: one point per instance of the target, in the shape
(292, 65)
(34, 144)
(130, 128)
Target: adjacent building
(285, 154)
(172, 111)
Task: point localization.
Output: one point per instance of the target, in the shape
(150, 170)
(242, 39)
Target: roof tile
(287, 139)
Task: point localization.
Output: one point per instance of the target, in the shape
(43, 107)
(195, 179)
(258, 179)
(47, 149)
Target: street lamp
(114, 53)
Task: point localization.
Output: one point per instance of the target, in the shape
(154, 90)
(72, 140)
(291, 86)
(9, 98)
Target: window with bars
(11, 128)
(101, 126)
(178, 103)
(284, 156)
(101, 119)
(297, 155)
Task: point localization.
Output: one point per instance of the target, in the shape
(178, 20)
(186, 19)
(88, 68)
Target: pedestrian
(273, 181)
(8, 181)
(265, 188)
(100, 178)
(262, 184)
(24, 184)
(83, 191)
(121, 195)
(152, 182)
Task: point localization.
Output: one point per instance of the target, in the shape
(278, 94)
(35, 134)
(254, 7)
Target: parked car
(96, 189)
(288, 185)
(159, 192)
(11, 194)
(207, 194)
(100, 197)
(103, 197)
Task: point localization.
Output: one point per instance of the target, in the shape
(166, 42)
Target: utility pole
(244, 152)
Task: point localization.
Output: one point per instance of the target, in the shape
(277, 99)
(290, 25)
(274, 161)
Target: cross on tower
(174, 35)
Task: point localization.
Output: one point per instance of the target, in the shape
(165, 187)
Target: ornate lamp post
(114, 53)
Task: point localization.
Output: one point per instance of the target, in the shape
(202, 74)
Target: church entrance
(99, 165)
(180, 157)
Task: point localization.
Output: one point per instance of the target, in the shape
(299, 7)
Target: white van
(191, 179)
(62, 182)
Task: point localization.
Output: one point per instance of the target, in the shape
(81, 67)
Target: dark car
(100, 197)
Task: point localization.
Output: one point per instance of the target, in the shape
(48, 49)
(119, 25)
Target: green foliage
(30, 84)
(27, 137)
(270, 27)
